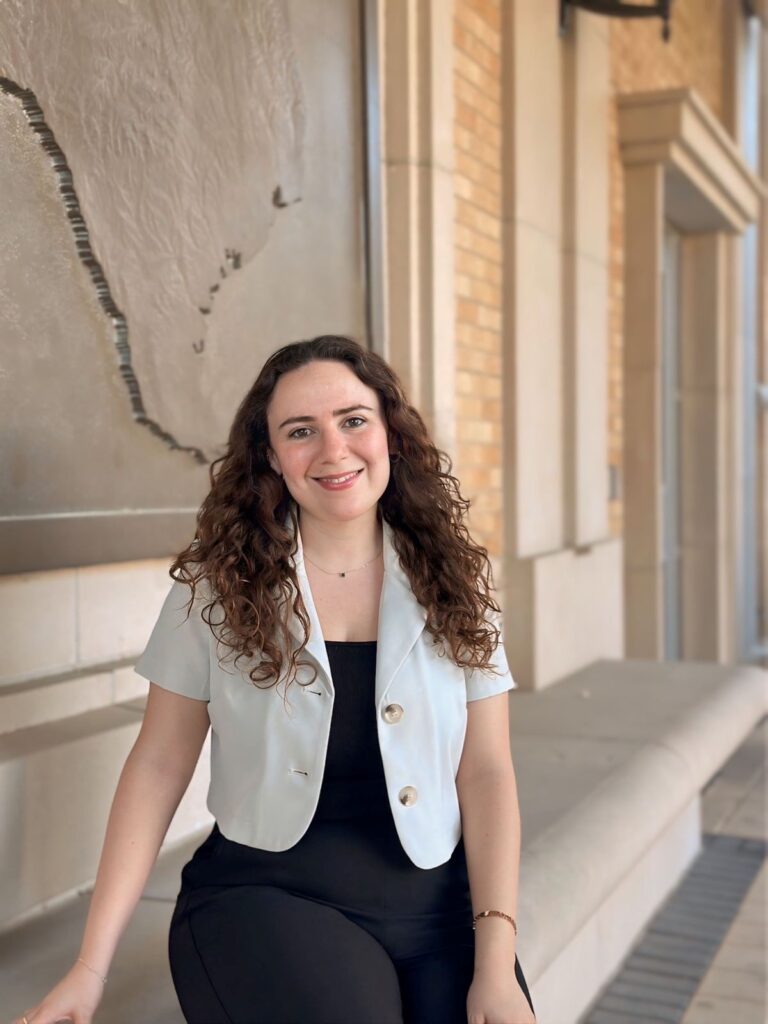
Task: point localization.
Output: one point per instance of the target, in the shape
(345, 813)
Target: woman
(363, 862)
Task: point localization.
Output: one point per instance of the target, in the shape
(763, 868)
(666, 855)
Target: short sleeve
(177, 655)
(487, 684)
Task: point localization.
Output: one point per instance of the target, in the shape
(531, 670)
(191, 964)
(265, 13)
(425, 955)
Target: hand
(74, 998)
(497, 999)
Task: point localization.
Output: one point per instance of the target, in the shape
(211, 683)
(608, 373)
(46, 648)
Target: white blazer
(268, 747)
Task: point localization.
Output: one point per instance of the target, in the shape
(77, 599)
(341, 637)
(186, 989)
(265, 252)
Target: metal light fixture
(619, 9)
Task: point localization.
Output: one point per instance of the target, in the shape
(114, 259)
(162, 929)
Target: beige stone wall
(70, 710)
(478, 260)
(641, 60)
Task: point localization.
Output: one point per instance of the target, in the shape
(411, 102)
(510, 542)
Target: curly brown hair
(241, 552)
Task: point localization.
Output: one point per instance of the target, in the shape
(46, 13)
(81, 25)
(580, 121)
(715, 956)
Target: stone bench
(611, 762)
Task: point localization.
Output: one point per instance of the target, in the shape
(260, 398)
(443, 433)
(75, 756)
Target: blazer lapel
(401, 617)
(316, 643)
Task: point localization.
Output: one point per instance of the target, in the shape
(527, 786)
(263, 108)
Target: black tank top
(354, 785)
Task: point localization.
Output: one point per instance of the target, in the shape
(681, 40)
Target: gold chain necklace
(342, 574)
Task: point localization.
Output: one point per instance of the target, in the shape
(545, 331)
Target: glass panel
(752, 645)
(670, 434)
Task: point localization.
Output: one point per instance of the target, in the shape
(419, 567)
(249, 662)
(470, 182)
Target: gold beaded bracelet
(494, 913)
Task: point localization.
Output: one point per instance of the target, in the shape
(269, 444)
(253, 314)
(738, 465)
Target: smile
(338, 479)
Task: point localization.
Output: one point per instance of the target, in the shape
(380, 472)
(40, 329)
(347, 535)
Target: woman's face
(324, 422)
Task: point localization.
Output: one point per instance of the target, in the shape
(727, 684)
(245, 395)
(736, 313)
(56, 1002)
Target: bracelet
(494, 913)
(103, 980)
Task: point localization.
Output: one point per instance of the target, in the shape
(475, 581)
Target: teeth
(338, 479)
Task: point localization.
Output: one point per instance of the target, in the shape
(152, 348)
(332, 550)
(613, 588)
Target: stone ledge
(626, 747)
(57, 783)
(34, 703)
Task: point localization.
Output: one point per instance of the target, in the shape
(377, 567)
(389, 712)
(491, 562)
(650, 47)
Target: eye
(298, 430)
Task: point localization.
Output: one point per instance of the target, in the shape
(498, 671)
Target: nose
(333, 446)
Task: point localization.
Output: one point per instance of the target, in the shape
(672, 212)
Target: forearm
(145, 801)
(490, 817)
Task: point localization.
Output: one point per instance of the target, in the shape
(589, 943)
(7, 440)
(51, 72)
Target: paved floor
(702, 959)
(735, 990)
(729, 989)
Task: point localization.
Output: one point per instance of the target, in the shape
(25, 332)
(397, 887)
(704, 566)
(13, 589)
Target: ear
(273, 461)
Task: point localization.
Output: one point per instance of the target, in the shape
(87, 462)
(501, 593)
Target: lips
(338, 477)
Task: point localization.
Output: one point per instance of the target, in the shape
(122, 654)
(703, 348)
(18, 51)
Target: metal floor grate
(658, 979)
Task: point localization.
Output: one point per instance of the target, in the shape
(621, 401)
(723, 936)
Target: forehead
(317, 388)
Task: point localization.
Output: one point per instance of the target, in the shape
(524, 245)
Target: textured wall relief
(175, 131)
(35, 120)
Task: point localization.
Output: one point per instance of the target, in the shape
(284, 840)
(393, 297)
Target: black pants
(250, 952)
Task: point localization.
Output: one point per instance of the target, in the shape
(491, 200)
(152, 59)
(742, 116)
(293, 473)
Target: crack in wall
(66, 189)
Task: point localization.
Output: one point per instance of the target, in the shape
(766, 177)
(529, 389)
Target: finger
(28, 1014)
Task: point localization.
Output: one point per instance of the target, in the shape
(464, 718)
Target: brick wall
(477, 144)
(641, 60)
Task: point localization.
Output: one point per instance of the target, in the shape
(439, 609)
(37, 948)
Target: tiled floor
(735, 988)
(702, 960)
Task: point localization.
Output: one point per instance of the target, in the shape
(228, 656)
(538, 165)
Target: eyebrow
(311, 419)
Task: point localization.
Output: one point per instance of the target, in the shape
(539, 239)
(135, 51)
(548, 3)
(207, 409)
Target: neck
(340, 545)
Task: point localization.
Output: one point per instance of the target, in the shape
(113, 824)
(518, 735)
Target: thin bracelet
(103, 980)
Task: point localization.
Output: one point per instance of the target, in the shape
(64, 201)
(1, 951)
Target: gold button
(408, 795)
(392, 713)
